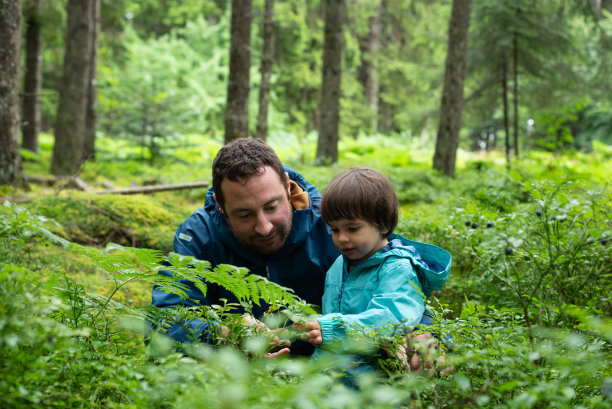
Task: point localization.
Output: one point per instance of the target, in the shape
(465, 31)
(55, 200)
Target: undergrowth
(70, 347)
(526, 314)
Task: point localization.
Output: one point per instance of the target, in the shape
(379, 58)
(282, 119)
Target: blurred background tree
(10, 48)
(163, 71)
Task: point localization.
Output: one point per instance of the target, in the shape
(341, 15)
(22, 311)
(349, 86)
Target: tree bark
(597, 7)
(504, 80)
(10, 47)
(368, 70)
(515, 92)
(267, 56)
(89, 143)
(327, 146)
(68, 150)
(237, 107)
(33, 76)
(451, 108)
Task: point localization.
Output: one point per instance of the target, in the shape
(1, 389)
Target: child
(381, 278)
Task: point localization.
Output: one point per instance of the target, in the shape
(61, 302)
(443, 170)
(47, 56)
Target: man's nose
(263, 226)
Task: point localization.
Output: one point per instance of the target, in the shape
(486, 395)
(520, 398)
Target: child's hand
(313, 331)
(427, 356)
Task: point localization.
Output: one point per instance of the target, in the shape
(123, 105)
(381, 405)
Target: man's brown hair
(242, 159)
(362, 193)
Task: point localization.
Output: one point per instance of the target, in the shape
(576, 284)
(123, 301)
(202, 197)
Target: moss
(134, 220)
(8, 190)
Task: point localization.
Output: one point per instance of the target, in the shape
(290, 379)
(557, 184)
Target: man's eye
(243, 215)
(271, 208)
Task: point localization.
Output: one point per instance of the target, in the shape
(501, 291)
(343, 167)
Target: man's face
(258, 212)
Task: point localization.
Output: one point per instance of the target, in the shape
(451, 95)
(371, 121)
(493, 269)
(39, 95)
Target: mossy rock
(92, 219)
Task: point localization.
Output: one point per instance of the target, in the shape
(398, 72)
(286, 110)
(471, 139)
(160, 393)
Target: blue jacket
(300, 264)
(388, 288)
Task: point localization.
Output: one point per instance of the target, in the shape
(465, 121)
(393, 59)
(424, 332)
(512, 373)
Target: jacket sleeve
(185, 330)
(397, 298)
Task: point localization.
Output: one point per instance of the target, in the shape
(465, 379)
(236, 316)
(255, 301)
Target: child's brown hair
(362, 193)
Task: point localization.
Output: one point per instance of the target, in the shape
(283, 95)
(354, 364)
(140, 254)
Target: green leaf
(462, 382)
(514, 174)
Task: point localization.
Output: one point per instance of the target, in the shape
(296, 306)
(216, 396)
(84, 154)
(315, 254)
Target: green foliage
(574, 128)
(18, 229)
(152, 18)
(496, 367)
(53, 21)
(163, 67)
(520, 332)
(164, 78)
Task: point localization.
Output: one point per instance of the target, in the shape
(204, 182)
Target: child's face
(357, 239)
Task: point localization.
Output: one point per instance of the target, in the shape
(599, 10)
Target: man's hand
(312, 332)
(253, 322)
(279, 353)
(277, 346)
(425, 355)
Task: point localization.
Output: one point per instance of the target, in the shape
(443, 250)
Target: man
(260, 215)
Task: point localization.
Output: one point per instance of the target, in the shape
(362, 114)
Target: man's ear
(216, 201)
(288, 184)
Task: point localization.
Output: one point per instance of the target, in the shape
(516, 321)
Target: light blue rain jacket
(388, 288)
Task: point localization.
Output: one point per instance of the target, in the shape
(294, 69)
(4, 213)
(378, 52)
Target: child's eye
(353, 229)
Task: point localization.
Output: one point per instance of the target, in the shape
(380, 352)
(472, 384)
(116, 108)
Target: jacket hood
(302, 220)
(431, 263)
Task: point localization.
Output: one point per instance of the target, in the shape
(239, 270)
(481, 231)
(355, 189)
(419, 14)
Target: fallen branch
(78, 183)
(71, 181)
(151, 189)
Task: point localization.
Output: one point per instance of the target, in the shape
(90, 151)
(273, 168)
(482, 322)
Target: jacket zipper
(342, 289)
(340, 295)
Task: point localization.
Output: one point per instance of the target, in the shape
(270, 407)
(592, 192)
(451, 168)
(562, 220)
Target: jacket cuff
(331, 329)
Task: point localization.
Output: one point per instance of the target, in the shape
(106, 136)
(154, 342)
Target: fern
(124, 264)
(247, 288)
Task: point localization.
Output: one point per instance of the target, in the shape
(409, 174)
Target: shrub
(549, 253)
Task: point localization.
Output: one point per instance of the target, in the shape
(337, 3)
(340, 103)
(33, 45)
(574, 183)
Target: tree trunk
(266, 69)
(33, 76)
(237, 107)
(515, 91)
(597, 7)
(10, 47)
(327, 147)
(451, 108)
(89, 146)
(368, 70)
(68, 150)
(504, 79)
